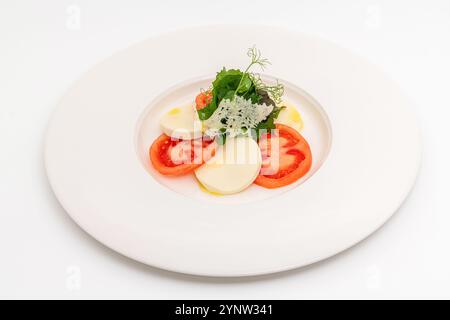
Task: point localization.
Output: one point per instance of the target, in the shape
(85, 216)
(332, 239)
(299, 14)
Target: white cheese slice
(233, 168)
(182, 123)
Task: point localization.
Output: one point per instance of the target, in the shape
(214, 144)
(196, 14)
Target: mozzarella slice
(289, 116)
(182, 123)
(233, 168)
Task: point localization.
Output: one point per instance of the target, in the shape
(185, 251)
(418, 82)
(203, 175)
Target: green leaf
(229, 95)
(225, 86)
(226, 73)
(253, 96)
(245, 85)
(207, 111)
(221, 139)
(269, 122)
(225, 83)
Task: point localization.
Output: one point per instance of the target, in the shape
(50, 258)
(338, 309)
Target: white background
(46, 45)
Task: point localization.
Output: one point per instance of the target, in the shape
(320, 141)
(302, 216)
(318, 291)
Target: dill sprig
(275, 91)
(257, 58)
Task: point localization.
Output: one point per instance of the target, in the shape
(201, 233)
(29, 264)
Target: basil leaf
(207, 111)
(245, 85)
(225, 86)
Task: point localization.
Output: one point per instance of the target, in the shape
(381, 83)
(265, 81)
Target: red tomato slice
(175, 157)
(203, 99)
(286, 158)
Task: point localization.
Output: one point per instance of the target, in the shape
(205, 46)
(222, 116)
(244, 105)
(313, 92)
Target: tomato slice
(286, 157)
(203, 99)
(175, 157)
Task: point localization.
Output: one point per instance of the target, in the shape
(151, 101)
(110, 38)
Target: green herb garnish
(233, 82)
(269, 123)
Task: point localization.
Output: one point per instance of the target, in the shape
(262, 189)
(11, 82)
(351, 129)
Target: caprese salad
(238, 132)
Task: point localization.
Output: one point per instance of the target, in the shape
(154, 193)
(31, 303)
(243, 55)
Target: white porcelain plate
(363, 136)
